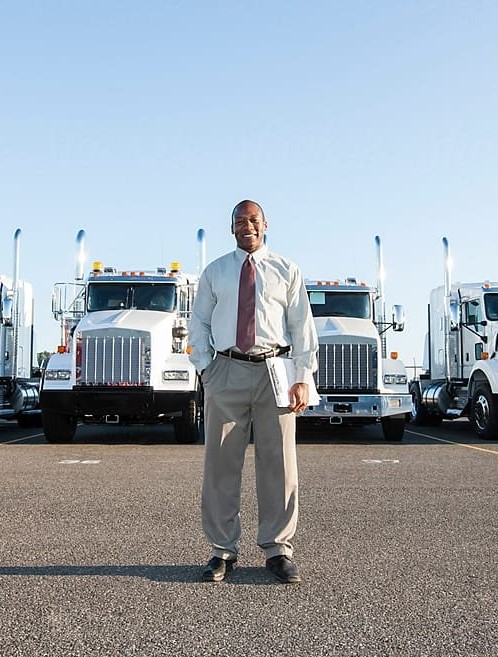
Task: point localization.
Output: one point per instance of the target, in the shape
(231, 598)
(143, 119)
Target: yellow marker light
(188, 350)
(394, 355)
(484, 355)
(98, 267)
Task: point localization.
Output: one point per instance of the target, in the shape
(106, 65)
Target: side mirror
(455, 319)
(398, 318)
(7, 306)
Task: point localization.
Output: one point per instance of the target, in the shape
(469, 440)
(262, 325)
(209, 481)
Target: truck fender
(484, 371)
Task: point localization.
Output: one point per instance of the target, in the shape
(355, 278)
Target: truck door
(472, 345)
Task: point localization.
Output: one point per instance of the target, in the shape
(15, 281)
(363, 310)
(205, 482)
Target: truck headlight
(57, 375)
(175, 375)
(395, 379)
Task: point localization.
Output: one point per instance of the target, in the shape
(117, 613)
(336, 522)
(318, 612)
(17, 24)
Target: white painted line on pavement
(74, 461)
(19, 440)
(380, 461)
(452, 442)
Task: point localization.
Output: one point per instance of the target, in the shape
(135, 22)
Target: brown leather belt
(254, 358)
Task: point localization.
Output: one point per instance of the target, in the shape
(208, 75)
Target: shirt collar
(257, 256)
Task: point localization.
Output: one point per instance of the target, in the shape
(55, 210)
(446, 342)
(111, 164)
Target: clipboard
(282, 377)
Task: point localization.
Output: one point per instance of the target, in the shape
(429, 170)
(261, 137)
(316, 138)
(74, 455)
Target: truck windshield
(491, 306)
(340, 304)
(142, 296)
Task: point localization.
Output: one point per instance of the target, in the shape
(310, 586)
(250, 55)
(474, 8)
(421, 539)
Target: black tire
(419, 415)
(187, 426)
(393, 428)
(58, 427)
(484, 412)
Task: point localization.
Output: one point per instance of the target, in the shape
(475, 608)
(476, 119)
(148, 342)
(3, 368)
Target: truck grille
(351, 367)
(114, 359)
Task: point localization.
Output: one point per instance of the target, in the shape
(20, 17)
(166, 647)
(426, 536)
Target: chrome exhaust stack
(201, 240)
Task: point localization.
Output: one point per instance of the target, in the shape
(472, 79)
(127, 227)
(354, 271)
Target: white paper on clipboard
(282, 377)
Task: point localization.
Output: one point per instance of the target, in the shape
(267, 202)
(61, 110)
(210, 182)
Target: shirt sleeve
(202, 351)
(301, 327)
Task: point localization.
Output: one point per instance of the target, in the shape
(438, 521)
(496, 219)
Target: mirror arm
(484, 338)
(387, 325)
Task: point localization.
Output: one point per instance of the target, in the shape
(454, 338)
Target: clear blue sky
(142, 121)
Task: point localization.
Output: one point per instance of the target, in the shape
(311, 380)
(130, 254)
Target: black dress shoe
(217, 569)
(284, 569)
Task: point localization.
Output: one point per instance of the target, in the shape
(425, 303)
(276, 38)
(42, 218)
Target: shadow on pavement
(182, 574)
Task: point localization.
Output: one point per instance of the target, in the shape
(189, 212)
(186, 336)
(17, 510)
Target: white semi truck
(461, 356)
(19, 377)
(123, 357)
(356, 380)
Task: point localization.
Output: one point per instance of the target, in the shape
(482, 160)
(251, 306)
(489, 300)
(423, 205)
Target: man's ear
(231, 227)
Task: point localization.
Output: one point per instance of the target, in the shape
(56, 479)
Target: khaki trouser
(236, 394)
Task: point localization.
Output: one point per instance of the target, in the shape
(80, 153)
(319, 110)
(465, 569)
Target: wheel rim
(414, 410)
(481, 412)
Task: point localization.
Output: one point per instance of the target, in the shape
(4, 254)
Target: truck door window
(491, 306)
(473, 313)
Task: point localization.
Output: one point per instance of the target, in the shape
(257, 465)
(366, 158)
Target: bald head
(241, 204)
(248, 225)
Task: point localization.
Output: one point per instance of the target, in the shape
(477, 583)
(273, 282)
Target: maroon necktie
(246, 314)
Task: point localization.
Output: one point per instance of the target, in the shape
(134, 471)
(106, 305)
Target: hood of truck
(345, 329)
(138, 320)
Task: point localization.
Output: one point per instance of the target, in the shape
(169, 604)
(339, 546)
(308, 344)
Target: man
(230, 346)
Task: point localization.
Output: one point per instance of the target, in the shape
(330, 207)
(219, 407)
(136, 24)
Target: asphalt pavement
(101, 549)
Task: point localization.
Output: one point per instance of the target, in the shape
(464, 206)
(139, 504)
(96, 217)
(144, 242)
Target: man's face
(249, 227)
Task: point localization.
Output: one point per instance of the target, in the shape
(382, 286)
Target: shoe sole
(296, 579)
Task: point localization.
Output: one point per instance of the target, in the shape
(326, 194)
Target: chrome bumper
(360, 406)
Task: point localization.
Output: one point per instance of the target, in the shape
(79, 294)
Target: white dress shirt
(283, 314)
